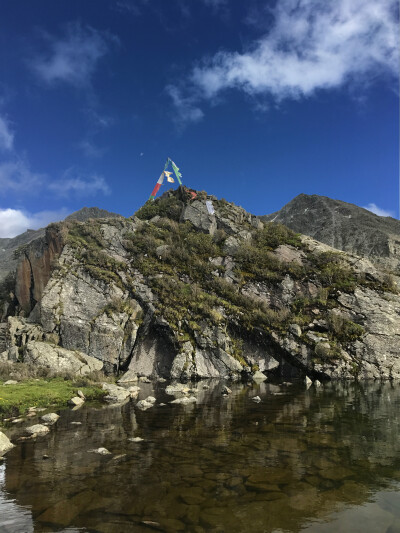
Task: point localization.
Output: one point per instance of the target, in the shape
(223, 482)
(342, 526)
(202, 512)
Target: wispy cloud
(186, 108)
(6, 135)
(16, 176)
(15, 221)
(73, 58)
(78, 184)
(379, 211)
(311, 45)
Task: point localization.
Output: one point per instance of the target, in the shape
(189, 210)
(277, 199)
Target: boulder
(76, 401)
(197, 213)
(50, 418)
(258, 377)
(115, 394)
(59, 359)
(36, 429)
(5, 444)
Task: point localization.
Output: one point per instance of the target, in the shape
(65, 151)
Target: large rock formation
(179, 292)
(344, 226)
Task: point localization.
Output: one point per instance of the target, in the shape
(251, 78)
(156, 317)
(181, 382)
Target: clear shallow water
(319, 460)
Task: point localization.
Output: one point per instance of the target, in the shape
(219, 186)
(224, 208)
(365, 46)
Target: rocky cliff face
(179, 293)
(343, 226)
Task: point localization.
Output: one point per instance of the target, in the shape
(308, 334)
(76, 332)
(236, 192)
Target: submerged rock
(185, 400)
(100, 451)
(146, 404)
(37, 429)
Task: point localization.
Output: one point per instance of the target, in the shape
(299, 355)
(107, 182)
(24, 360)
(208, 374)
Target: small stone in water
(256, 399)
(136, 439)
(100, 451)
(77, 423)
(226, 390)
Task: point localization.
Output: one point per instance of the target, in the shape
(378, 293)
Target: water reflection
(316, 460)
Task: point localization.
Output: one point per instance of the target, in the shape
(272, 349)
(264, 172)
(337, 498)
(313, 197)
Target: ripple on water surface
(318, 460)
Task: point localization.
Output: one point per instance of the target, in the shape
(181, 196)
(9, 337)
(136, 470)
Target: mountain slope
(8, 246)
(343, 226)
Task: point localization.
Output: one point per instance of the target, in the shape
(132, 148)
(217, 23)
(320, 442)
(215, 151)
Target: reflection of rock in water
(224, 463)
(13, 517)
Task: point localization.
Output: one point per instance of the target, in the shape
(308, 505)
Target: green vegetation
(169, 206)
(87, 241)
(16, 399)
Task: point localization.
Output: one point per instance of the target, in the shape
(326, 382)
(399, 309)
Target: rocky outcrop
(176, 292)
(5, 444)
(343, 226)
(59, 359)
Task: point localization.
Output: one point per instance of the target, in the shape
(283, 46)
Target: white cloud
(311, 45)
(6, 135)
(15, 176)
(15, 221)
(378, 211)
(73, 183)
(186, 110)
(73, 58)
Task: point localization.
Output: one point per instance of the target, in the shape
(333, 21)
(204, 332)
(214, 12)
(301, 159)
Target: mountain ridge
(343, 226)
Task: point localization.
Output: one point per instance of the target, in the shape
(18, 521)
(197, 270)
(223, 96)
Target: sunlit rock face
(180, 292)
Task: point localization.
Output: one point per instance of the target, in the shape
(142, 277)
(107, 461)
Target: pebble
(100, 451)
(256, 399)
(77, 423)
(136, 439)
(17, 421)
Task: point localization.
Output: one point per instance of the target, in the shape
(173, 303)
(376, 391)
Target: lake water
(323, 460)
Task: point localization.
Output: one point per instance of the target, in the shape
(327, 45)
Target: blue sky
(255, 101)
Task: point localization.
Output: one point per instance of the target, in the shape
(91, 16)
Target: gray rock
(259, 376)
(50, 418)
(10, 382)
(307, 381)
(5, 444)
(36, 429)
(115, 394)
(185, 400)
(60, 359)
(100, 451)
(196, 212)
(129, 377)
(147, 403)
(174, 388)
(256, 399)
(226, 390)
(136, 439)
(317, 383)
(76, 401)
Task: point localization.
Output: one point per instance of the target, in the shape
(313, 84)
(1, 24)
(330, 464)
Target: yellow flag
(169, 177)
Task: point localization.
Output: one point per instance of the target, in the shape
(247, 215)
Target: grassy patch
(16, 399)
